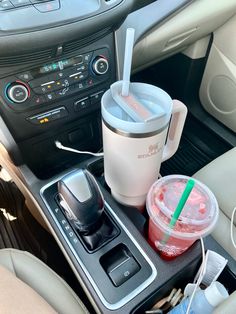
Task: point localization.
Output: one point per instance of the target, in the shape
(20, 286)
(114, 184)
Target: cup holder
(139, 220)
(96, 168)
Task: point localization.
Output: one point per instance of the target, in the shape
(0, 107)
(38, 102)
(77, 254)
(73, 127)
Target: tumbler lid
(146, 109)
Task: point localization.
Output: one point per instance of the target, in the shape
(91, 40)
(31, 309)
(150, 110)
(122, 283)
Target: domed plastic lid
(200, 211)
(146, 109)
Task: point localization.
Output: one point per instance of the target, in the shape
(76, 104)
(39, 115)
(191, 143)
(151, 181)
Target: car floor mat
(187, 160)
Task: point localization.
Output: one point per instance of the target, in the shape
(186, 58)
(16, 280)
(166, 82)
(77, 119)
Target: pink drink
(172, 248)
(197, 218)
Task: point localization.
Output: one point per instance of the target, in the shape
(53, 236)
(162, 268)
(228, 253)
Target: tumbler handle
(179, 114)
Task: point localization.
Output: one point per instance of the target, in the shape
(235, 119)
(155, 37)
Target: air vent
(75, 45)
(37, 56)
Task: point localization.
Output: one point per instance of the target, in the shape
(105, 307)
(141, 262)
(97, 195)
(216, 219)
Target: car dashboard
(57, 58)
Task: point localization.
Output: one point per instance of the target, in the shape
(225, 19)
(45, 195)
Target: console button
(42, 81)
(49, 86)
(60, 75)
(6, 5)
(77, 77)
(95, 98)
(39, 99)
(78, 59)
(90, 82)
(20, 3)
(59, 84)
(80, 86)
(18, 92)
(82, 67)
(48, 116)
(50, 96)
(124, 271)
(25, 76)
(100, 65)
(40, 90)
(81, 104)
(87, 56)
(64, 92)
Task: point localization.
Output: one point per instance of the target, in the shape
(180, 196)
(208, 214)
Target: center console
(118, 269)
(123, 274)
(123, 271)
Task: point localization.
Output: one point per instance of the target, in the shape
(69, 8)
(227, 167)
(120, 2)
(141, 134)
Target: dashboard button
(95, 98)
(17, 92)
(124, 271)
(25, 76)
(42, 81)
(59, 75)
(39, 99)
(100, 65)
(81, 104)
(77, 77)
(50, 96)
(80, 86)
(82, 67)
(65, 91)
(78, 60)
(40, 90)
(46, 117)
(87, 56)
(58, 85)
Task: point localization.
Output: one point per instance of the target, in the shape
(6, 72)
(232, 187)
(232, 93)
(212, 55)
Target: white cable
(203, 266)
(232, 227)
(72, 150)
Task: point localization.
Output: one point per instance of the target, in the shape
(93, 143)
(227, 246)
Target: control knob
(18, 92)
(100, 65)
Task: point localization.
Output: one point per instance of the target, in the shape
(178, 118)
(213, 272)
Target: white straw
(127, 61)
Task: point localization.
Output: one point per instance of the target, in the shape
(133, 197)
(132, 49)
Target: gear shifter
(83, 204)
(82, 200)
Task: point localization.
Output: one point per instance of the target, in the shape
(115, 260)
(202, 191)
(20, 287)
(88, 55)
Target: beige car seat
(27, 285)
(220, 177)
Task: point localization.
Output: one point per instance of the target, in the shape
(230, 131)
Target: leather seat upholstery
(43, 280)
(220, 177)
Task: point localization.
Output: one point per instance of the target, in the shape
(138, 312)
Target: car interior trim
(143, 20)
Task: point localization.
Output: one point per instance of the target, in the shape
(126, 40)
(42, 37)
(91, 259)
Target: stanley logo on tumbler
(152, 150)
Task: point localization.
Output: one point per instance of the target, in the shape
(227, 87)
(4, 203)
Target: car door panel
(218, 87)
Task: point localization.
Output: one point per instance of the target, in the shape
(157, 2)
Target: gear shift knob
(82, 200)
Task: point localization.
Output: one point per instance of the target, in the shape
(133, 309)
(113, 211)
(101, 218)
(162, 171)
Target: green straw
(188, 189)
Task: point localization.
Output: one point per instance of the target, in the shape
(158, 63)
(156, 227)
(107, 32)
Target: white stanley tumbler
(135, 138)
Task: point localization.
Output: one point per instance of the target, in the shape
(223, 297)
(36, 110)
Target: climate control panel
(56, 80)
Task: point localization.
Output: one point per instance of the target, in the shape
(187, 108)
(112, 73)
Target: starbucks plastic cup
(197, 219)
